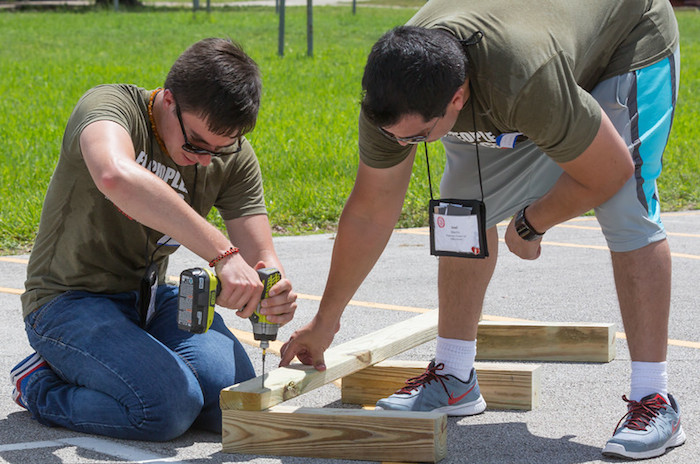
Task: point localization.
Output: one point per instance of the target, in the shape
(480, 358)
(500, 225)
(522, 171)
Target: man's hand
(240, 285)
(281, 303)
(309, 343)
(521, 247)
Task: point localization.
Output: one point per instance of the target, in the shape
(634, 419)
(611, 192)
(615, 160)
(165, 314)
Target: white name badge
(457, 228)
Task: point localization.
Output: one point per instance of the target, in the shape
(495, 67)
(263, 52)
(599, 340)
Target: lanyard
(478, 159)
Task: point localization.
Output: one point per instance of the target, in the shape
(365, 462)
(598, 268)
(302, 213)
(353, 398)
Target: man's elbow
(111, 180)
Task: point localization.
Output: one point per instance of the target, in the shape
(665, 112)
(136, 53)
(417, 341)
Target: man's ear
(461, 96)
(168, 99)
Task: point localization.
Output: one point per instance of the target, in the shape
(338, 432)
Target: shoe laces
(641, 413)
(430, 375)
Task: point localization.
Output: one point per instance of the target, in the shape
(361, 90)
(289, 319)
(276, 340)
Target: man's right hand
(240, 285)
(309, 343)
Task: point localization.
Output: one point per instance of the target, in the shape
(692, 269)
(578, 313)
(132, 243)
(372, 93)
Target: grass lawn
(306, 137)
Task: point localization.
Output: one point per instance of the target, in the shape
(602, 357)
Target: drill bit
(263, 344)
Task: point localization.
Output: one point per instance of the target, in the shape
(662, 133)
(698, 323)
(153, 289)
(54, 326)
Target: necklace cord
(427, 163)
(476, 141)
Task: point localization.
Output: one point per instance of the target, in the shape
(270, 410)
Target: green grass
(679, 184)
(306, 137)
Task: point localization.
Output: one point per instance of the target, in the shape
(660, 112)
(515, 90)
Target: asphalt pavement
(572, 281)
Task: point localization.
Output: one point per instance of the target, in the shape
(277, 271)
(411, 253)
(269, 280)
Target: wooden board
(515, 341)
(288, 382)
(542, 341)
(503, 385)
(336, 434)
(526, 341)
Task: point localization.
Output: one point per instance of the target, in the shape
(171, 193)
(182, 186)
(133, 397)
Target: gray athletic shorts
(640, 104)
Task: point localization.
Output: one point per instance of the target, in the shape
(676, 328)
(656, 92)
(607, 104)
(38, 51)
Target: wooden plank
(542, 341)
(503, 385)
(288, 382)
(527, 341)
(336, 434)
(515, 341)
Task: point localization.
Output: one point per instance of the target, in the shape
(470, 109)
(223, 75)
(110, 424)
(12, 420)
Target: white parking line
(107, 447)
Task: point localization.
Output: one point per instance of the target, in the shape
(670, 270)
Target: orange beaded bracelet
(229, 252)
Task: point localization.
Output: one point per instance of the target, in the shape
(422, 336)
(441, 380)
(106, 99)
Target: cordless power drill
(198, 291)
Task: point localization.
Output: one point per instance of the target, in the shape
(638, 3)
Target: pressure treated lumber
(503, 385)
(336, 434)
(288, 382)
(526, 341)
(542, 341)
(515, 341)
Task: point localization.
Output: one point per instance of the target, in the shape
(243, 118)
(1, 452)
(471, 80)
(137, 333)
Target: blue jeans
(111, 377)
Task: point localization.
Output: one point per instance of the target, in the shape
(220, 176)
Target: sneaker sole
(465, 409)
(616, 450)
(25, 367)
(18, 399)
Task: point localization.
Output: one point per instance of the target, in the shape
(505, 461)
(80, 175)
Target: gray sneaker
(651, 427)
(432, 391)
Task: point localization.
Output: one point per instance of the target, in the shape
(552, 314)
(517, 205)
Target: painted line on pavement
(13, 291)
(414, 309)
(99, 445)
(366, 304)
(424, 231)
(10, 259)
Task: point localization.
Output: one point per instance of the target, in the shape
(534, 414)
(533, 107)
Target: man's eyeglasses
(413, 139)
(232, 149)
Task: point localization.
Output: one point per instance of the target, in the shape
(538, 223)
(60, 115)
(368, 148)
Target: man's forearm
(567, 199)
(147, 199)
(589, 180)
(358, 245)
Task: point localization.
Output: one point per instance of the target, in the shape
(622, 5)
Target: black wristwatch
(524, 229)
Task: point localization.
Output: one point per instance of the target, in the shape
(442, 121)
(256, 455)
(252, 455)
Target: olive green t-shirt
(532, 71)
(85, 242)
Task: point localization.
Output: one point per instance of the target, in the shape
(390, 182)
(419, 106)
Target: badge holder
(458, 227)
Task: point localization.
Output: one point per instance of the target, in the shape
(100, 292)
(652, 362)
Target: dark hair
(412, 70)
(215, 79)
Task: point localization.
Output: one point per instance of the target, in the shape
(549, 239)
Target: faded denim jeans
(111, 377)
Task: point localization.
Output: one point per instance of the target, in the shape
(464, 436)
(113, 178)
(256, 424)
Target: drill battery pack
(198, 290)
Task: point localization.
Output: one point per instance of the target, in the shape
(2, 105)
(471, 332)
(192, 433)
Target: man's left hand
(279, 307)
(521, 247)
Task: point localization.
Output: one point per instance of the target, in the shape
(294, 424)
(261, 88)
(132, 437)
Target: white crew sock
(457, 356)
(648, 378)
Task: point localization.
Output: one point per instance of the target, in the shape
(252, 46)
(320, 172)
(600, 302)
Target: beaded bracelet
(229, 252)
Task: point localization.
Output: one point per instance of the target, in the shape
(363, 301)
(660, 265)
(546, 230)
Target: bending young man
(559, 107)
(137, 174)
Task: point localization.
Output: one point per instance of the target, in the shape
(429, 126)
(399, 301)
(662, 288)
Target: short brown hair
(215, 79)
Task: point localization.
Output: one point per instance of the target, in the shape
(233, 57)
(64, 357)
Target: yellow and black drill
(198, 291)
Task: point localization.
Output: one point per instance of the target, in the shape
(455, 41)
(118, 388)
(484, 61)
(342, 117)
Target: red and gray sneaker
(432, 391)
(651, 427)
(22, 372)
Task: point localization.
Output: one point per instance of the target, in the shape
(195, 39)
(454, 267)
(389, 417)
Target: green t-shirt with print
(85, 242)
(535, 65)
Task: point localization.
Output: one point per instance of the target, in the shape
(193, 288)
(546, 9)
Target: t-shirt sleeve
(102, 103)
(376, 150)
(555, 113)
(241, 193)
